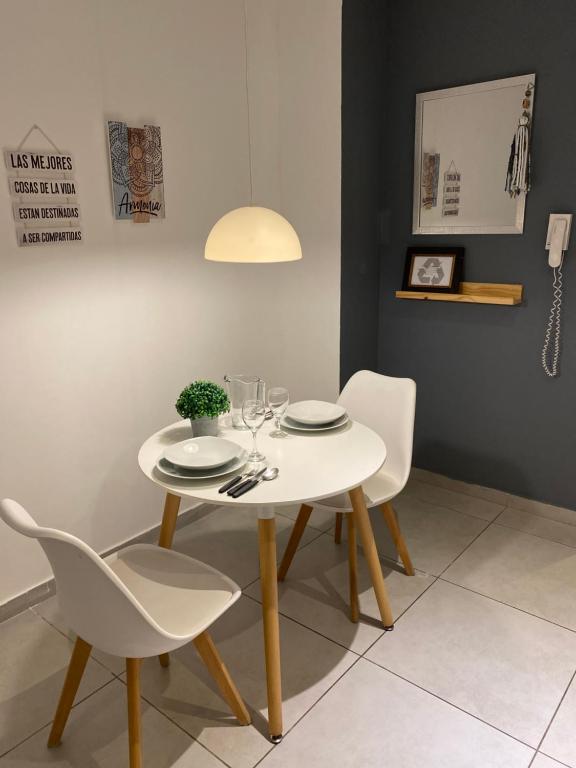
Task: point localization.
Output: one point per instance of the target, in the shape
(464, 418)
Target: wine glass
(278, 399)
(253, 413)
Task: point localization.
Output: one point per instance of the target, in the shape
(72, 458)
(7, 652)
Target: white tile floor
(479, 671)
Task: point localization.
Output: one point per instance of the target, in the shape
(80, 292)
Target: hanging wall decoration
(136, 171)
(518, 176)
(451, 191)
(44, 194)
(430, 173)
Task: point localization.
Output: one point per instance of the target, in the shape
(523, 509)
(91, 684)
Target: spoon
(269, 474)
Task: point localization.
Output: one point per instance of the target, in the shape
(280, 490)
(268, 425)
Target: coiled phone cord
(553, 329)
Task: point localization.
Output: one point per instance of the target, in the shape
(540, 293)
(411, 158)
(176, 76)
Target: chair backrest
(95, 602)
(387, 405)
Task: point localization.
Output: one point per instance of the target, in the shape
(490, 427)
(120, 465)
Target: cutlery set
(244, 483)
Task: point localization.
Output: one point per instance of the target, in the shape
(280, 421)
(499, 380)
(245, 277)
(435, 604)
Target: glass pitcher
(241, 387)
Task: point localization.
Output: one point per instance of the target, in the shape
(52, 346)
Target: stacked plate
(314, 416)
(201, 458)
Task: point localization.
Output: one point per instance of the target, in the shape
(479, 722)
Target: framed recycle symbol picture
(434, 269)
(136, 171)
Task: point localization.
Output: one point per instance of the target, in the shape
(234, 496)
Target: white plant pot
(204, 426)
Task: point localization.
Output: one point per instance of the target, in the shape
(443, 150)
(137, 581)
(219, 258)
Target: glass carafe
(241, 387)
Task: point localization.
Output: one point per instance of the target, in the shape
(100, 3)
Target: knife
(236, 488)
(235, 480)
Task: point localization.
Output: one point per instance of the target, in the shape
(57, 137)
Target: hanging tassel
(518, 176)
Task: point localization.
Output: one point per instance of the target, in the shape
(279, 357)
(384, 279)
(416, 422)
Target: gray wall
(363, 45)
(486, 411)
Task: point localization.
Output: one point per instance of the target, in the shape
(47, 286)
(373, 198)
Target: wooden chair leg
(397, 537)
(134, 724)
(295, 536)
(353, 569)
(171, 507)
(210, 656)
(362, 520)
(78, 661)
(338, 528)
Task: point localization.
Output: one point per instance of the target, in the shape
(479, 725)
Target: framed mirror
(463, 145)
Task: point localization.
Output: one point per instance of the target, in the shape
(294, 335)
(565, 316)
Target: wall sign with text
(44, 197)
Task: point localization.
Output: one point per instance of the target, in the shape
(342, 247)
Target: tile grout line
(501, 602)
(453, 509)
(552, 718)
(310, 629)
(71, 640)
(554, 759)
(302, 546)
(181, 728)
(508, 605)
(400, 615)
(466, 548)
(463, 482)
(449, 703)
(505, 505)
(535, 535)
(304, 714)
(45, 725)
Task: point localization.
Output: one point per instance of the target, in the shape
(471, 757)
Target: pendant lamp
(252, 234)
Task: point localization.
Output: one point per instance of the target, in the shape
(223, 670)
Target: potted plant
(202, 402)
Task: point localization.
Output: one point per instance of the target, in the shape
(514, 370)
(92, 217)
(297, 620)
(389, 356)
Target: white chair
(387, 405)
(139, 602)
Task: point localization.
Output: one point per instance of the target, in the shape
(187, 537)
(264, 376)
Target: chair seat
(379, 488)
(182, 595)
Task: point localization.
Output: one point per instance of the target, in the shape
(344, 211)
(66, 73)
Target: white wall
(96, 341)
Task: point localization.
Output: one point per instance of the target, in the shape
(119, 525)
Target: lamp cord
(248, 99)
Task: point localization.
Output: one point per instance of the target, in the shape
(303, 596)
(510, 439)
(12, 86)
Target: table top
(313, 465)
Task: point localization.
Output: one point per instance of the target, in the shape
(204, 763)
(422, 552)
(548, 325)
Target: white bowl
(314, 412)
(202, 452)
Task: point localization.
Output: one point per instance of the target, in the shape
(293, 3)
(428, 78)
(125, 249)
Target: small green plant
(202, 399)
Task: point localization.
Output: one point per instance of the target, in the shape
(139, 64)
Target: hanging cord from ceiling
(246, 74)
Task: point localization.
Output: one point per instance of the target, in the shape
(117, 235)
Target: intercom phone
(556, 244)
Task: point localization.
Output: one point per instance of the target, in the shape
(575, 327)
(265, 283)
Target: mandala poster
(136, 171)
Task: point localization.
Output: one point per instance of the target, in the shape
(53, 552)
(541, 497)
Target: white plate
(202, 452)
(314, 412)
(289, 424)
(181, 473)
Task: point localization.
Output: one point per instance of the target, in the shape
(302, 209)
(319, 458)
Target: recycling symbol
(431, 272)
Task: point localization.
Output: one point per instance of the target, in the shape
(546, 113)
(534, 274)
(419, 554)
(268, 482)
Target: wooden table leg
(171, 507)
(338, 528)
(353, 569)
(362, 520)
(267, 546)
(295, 536)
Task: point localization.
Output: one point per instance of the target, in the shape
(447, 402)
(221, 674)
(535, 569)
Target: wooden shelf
(506, 294)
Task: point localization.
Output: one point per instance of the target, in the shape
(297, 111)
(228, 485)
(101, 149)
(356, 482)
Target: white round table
(313, 466)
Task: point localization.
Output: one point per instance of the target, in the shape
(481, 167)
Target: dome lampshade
(252, 235)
